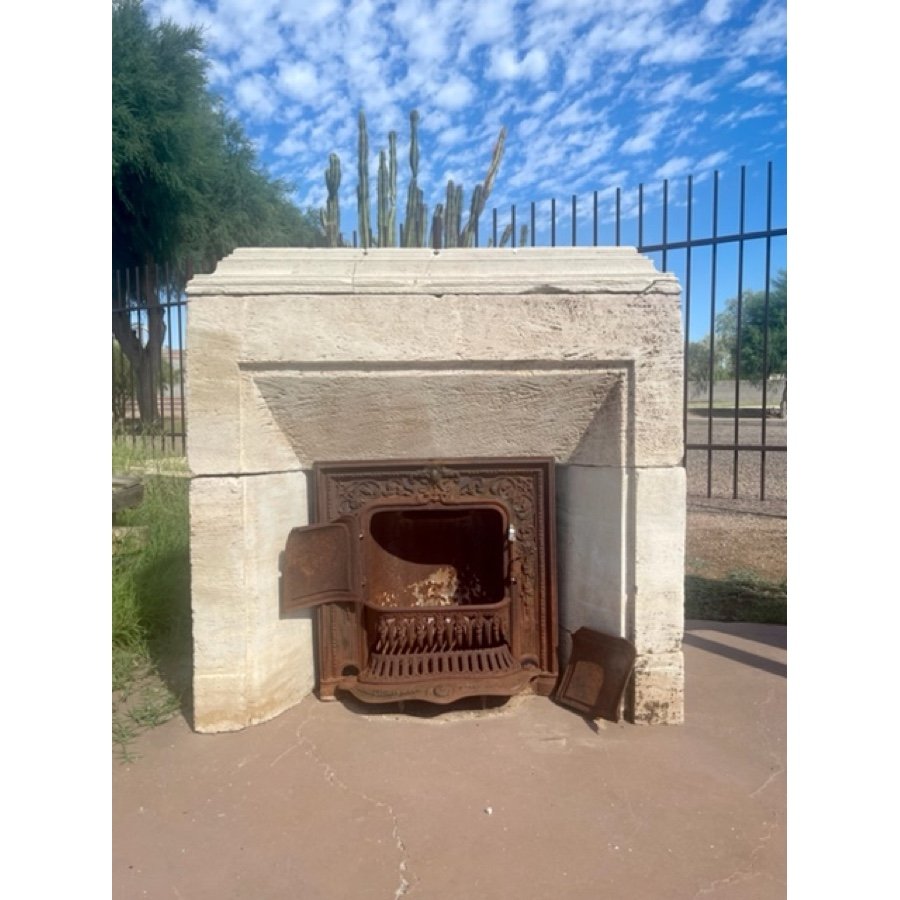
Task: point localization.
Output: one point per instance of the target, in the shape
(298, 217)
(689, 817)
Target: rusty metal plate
(319, 566)
(597, 673)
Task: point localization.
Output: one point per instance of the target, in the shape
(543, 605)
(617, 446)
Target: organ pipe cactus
(383, 199)
(387, 194)
(482, 192)
(446, 229)
(331, 215)
(413, 199)
(454, 210)
(362, 188)
(437, 227)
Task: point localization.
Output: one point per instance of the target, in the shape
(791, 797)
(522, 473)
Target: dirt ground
(743, 535)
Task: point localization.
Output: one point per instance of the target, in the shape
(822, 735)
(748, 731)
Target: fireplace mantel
(299, 356)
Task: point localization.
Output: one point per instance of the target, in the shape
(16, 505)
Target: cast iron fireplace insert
(433, 579)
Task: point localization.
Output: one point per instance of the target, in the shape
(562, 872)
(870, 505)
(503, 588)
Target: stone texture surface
(538, 270)
(249, 664)
(299, 356)
(344, 414)
(546, 326)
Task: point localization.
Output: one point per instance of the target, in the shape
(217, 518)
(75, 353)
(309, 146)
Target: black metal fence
(149, 319)
(725, 239)
(727, 244)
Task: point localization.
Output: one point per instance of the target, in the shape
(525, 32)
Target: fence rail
(735, 442)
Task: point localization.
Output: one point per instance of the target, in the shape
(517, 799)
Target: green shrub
(151, 580)
(150, 565)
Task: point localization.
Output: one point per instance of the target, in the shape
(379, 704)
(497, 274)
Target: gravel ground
(727, 535)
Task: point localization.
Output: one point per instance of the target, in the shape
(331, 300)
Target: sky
(594, 95)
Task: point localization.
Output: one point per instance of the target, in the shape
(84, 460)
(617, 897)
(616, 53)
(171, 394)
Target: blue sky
(595, 96)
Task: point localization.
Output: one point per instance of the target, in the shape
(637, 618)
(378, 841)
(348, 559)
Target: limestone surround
(297, 356)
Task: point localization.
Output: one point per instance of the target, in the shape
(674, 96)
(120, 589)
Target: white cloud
(765, 81)
(307, 13)
(712, 161)
(767, 31)
(505, 64)
(535, 64)
(627, 35)
(455, 135)
(717, 11)
(298, 80)
(672, 168)
(255, 97)
(761, 110)
(645, 139)
(457, 93)
(489, 22)
(684, 46)
(674, 89)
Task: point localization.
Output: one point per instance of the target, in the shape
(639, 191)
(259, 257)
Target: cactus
(387, 194)
(437, 227)
(445, 229)
(362, 188)
(482, 192)
(454, 207)
(387, 197)
(383, 200)
(413, 200)
(330, 217)
(467, 235)
(421, 218)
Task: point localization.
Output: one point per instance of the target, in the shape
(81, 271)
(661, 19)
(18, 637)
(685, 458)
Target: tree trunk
(145, 359)
(782, 408)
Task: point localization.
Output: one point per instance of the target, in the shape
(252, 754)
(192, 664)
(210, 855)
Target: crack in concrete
(747, 870)
(774, 757)
(772, 776)
(309, 748)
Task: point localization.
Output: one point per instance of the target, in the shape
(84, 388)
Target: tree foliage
(186, 183)
(759, 350)
(698, 364)
(185, 178)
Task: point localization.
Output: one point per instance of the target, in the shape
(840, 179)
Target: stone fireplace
(301, 360)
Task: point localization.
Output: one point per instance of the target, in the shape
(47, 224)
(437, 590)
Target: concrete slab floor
(524, 799)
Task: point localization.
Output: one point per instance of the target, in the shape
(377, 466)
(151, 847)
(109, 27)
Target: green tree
(758, 349)
(185, 180)
(698, 358)
(123, 381)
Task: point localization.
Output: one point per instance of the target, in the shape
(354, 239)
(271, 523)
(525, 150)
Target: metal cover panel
(319, 566)
(597, 673)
